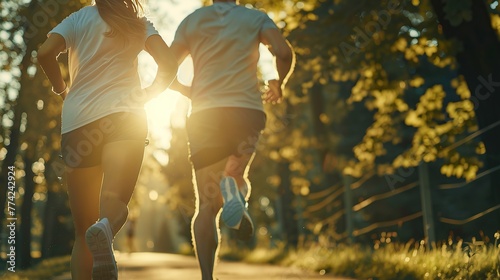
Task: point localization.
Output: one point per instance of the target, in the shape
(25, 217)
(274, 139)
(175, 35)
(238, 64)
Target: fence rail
(333, 193)
(475, 217)
(322, 204)
(395, 222)
(378, 197)
(464, 184)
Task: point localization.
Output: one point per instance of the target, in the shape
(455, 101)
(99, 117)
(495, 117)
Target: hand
(274, 92)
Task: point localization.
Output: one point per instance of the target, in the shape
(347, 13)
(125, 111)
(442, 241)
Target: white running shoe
(99, 238)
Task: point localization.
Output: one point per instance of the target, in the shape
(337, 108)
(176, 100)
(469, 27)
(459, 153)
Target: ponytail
(124, 17)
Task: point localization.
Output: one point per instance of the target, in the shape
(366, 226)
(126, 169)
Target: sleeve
(267, 23)
(67, 30)
(150, 28)
(180, 37)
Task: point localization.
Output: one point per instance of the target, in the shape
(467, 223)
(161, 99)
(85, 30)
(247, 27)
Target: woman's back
(103, 69)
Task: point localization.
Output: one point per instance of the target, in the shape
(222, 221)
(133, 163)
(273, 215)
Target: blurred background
(389, 131)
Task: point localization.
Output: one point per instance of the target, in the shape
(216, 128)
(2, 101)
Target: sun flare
(169, 108)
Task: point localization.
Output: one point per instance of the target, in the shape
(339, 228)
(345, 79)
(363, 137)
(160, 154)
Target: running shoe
(233, 208)
(246, 230)
(99, 238)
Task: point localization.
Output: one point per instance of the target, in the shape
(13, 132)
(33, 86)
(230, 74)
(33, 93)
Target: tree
(468, 24)
(31, 136)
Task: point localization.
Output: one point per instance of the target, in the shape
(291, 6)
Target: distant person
(227, 112)
(104, 124)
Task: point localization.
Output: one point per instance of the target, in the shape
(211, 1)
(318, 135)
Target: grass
(46, 269)
(399, 262)
(461, 260)
(467, 261)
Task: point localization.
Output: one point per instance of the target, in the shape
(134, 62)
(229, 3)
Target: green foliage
(383, 50)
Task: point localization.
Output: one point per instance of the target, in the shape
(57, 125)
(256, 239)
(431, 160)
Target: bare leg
(121, 163)
(205, 224)
(238, 167)
(84, 185)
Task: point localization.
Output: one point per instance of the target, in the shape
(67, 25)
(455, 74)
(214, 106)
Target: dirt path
(155, 266)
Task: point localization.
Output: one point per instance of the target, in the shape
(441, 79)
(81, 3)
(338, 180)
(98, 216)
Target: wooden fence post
(348, 208)
(425, 195)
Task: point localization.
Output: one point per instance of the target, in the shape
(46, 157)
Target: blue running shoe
(233, 208)
(246, 229)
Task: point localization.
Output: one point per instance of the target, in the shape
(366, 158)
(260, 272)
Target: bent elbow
(284, 53)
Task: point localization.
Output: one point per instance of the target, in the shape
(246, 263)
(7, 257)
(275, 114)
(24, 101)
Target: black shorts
(217, 133)
(82, 147)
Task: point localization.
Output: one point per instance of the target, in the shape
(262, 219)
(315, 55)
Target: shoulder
(87, 10)
(150, 27)
(251, 10)
(202, 10)
(192, 17)
(253, 16)
(252, 13)
(147, 21)
(198, 13)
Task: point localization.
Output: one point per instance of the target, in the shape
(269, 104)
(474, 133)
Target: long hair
(124, 17)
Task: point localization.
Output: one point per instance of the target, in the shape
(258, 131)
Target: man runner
(227, 112)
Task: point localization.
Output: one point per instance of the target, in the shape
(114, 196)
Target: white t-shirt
(223, 40)
(103, 71)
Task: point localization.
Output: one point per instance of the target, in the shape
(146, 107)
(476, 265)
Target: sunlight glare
(168, 108)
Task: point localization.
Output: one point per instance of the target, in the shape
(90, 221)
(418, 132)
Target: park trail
(159, 266)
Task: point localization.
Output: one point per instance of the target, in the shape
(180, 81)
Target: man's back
(223, 40)
(227, 113)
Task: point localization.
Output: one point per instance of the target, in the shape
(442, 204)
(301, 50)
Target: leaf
(417, 81)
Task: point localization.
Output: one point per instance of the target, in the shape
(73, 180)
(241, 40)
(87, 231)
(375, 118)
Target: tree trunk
(318, 109)
(288, 211)
(26, 207)
(479, 63)
(9, 160)
(57, 238)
